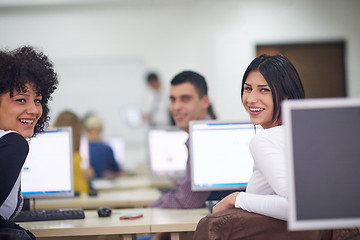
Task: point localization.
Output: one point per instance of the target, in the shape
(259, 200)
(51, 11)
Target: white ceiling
(34, 3)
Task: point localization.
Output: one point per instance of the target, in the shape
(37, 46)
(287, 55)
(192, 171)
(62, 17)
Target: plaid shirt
(182, 196)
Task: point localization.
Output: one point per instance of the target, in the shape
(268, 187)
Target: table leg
(128, 237)
(175, 236)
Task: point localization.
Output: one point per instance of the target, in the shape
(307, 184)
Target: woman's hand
(226, 203)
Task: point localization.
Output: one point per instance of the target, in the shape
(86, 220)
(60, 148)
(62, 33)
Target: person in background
(189, 100)
(155, 109)
(27, 80)
(81, 176)
(261, 211)
(101, 155)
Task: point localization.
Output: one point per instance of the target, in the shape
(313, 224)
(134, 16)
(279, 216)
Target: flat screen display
(323, 137)
(220, 154)
(48, 168)
(167, 152)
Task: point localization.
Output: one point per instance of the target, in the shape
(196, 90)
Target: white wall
(216, 38)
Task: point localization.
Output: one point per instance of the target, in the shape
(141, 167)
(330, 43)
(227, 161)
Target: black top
(13, 152)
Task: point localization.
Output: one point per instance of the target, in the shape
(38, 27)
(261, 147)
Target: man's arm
(182, 196)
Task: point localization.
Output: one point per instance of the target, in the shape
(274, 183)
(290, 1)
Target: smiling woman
(27, 80)
(257, 100)
(267, 82)
(21, 112)
(261, 211)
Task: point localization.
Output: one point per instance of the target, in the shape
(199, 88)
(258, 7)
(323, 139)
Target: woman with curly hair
(27, 80)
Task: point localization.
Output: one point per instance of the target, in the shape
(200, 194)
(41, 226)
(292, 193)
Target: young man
(188, 101)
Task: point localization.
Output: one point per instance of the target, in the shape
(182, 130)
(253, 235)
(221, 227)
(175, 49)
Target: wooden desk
(132, 182)
(155, 220)
(93, 225)
(114, 199)
(176, 220)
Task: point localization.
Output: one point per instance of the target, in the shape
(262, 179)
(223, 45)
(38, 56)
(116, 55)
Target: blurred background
(102, 50)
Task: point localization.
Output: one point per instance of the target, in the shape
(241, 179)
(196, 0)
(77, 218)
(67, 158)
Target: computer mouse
(104, 211)
(93, 193)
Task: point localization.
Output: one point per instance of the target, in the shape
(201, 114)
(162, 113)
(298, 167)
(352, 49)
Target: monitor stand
(26, 205)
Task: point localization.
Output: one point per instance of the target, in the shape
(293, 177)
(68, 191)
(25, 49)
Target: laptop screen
(323, 137)
(167, 152)
(220, 154)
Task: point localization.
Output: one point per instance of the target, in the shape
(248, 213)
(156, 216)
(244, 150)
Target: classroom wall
(115, 42)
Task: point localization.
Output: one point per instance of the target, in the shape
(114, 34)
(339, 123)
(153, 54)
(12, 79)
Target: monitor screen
(48, 168)
(220, 154)
(323, 137)
(167, 151)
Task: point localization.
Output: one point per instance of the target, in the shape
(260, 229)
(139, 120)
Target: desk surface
(155, 220)
(132, 182)
(114, 199)
(176, 220)
(93, 225)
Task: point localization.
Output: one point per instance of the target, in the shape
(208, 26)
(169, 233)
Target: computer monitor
(220, 154)
(48, 168)
(167, 152)
(323, 150)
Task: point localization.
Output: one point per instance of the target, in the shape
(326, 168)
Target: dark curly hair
(27, 65)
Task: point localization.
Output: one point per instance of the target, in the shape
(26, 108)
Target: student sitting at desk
(188, 101)
(260, 211)
(27, 80)
(101, 155)
(81, 176)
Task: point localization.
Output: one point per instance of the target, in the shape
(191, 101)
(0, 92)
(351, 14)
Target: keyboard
(50, 214)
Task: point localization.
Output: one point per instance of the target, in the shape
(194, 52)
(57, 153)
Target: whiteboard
(108, 87)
